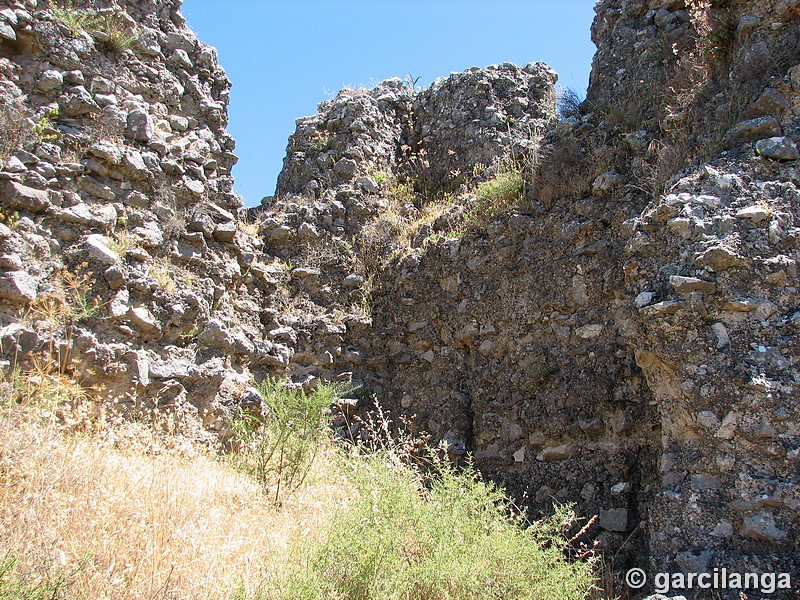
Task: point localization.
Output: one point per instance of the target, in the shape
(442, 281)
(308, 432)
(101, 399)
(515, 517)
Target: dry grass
(123, 518)
(172, 277)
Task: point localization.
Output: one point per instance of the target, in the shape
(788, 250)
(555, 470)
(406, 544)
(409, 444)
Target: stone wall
(121, 243)
(625, 339)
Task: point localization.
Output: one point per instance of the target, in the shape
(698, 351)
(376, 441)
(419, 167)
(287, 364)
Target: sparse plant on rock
(568, 102)
(15, 130)
(43, 129)
(76, 20)
(321, 141)
(115, 36)
(496, 196)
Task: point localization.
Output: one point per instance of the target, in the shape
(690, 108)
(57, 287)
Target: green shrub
(450, 537)
(43, 129)
(321, 141)
(14, 586)
(279, 447)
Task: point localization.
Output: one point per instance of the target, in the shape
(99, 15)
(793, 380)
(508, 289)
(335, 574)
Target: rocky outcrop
(439, 134)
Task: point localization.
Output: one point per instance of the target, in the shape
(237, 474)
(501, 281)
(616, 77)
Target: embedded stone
(196, 188)
(740, 306)
(353, 280)
(119, 305)
(49, 80)
(96, 249)
(78, 102)
(754, 213)
(18, 286)
(96, 189)
(753, 130)
(687, 285)
(561, 452)
(589, 331)
(614, 519)
(7, 31)
(761, 526)
(225, 232)
(771, 102)
(707, 418)
(25, 198)
(139, 127)
(142, 319)
(778, 148)
(723, 529)
(720, 258)
(346, 167)
(703, 481)
(368, 184)
(644, 299)
(668, 307)
(180, 59)
(721, 333)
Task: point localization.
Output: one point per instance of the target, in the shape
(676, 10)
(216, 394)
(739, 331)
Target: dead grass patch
(122, 520)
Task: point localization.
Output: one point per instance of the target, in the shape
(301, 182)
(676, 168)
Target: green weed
(451, 536)
(279, 447)
(43, 129)
(496, 196)
(76, 20)
(14, 586)
(113, 34)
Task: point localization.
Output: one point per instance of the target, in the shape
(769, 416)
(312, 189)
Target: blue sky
(286, 56)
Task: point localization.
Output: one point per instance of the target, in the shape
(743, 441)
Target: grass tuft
(496, 196)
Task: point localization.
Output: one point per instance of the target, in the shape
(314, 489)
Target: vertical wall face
(711, 262)
(117, 209)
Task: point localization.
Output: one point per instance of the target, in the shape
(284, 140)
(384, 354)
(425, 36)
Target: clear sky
(286, 56)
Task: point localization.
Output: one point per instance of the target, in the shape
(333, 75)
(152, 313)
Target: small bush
(568, 103)
(114, 35)
(451, 537)
(14, 586)
(321, 141)
(110, 31)
(278, 448)
(15, 130)
(43, 129)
